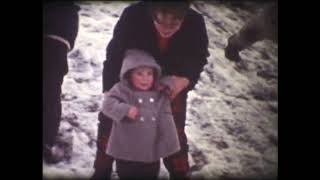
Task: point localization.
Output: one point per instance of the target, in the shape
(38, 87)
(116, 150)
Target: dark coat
(60, 29)
(186, 55)
(61, 19)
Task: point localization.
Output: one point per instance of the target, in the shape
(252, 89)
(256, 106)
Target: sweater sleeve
(115, 104)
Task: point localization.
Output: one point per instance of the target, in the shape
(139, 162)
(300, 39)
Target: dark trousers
(103, 162)
(177, 164)
(54, 67)
(137, 170)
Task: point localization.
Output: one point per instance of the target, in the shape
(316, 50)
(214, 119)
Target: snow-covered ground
(232, 117)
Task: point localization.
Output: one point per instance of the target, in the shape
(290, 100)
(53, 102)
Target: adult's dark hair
(176, 8)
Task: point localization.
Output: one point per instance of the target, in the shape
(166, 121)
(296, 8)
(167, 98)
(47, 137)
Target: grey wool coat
(153, 134)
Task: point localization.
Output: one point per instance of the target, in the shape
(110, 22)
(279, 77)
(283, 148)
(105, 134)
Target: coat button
(140, 100)
(151, 100)
(153, 118)
(141, 118)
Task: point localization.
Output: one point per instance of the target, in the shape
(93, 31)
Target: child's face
(142, 78)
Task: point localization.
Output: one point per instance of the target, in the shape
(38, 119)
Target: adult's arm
(61, 22)
(196, 55)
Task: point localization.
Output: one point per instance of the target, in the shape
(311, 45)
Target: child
(143, 129)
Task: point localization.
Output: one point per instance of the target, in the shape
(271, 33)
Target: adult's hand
(163, 88)
(180, 83)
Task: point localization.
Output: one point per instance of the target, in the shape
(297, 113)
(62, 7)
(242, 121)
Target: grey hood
(134, 58)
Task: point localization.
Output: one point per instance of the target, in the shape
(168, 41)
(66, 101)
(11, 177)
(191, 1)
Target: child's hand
(133, 113)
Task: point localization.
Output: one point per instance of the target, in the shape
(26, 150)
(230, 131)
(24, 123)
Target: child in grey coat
(143, 129)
